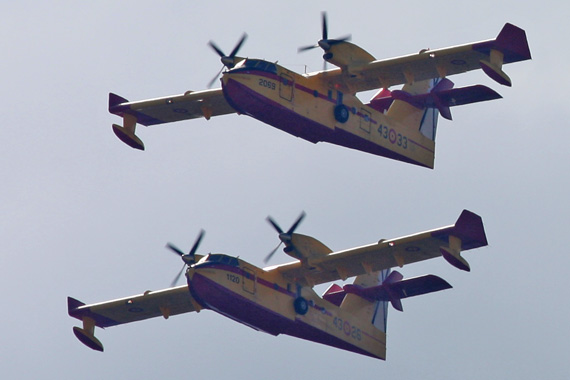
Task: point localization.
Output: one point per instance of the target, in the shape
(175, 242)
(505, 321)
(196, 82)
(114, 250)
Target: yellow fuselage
(268, 302)
(305, 107)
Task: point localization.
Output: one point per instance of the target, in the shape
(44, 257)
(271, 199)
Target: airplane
(399, 124)
(280, 299)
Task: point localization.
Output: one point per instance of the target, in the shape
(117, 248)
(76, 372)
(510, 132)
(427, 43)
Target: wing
(510, 46)
(467, 233)
(190, 105)
(163, 303)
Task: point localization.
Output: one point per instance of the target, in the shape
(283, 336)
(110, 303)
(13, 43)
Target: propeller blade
(285, 237)
(188, 258)
(211, 83)
(227, 60)
(217, 49)
(238, 46)
(325, 26)
(348, 37)
(173, 283)
(296, 224)
(325, 43)
(174, 249)
(275, 225)
(305, 48)
(196, 243)
(271, 253)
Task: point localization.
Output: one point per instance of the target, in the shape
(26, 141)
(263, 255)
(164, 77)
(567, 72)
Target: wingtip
(469, 227)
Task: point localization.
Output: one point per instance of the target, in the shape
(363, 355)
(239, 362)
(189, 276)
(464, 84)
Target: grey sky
(86, 216)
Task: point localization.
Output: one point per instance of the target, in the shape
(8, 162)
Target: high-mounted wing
(190, 105)
(510, 46)
(163, 303)
(467, 233)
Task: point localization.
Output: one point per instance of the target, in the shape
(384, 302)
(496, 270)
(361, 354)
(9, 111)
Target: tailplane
(375, 311)
(418, 105)
(369, 296)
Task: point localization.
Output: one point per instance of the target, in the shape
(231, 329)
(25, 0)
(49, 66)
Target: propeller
(227, 60)
(325, 43)
(284, 237)
(188, 258)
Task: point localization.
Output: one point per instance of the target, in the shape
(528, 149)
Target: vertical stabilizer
(380, 319)
(376, 311)
(419, 118)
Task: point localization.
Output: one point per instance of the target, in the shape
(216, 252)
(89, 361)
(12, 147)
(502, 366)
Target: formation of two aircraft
(322, 106)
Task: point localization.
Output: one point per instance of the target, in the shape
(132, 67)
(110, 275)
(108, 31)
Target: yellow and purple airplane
(280, 299)
(323, 106)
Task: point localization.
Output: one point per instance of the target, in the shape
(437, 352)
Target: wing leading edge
(467, 233)
(509, 46)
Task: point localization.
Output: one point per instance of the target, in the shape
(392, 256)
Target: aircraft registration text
(267, 83)
(391, 135)
(348, 330)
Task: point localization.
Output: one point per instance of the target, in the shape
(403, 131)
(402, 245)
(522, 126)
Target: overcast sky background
(84, 215)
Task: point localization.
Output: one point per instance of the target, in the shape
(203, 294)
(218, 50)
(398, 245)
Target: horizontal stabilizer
(443, 97)
(382, 100)
(393, 289)
(334, 294)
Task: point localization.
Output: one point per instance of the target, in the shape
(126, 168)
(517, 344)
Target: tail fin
(370, 295)
(419, 104)
(409, 114)
(380, 319)
(374, 311)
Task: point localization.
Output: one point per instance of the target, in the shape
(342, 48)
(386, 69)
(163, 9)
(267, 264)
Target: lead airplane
(323, 106)
(280, 299)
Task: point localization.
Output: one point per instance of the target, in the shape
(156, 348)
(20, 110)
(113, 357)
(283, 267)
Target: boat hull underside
(249, 102)
(234, 306)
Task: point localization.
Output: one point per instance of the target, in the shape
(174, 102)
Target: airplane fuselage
(305, 107)
(268, 302)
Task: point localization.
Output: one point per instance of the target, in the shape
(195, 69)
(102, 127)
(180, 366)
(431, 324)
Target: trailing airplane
(399, 124)
(280, 299)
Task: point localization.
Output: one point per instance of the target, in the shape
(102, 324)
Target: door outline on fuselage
(286, 87)
(248, 277)
(365, 120)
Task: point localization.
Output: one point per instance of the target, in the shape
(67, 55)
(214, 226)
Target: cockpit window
(256, 64)
(219, 258)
